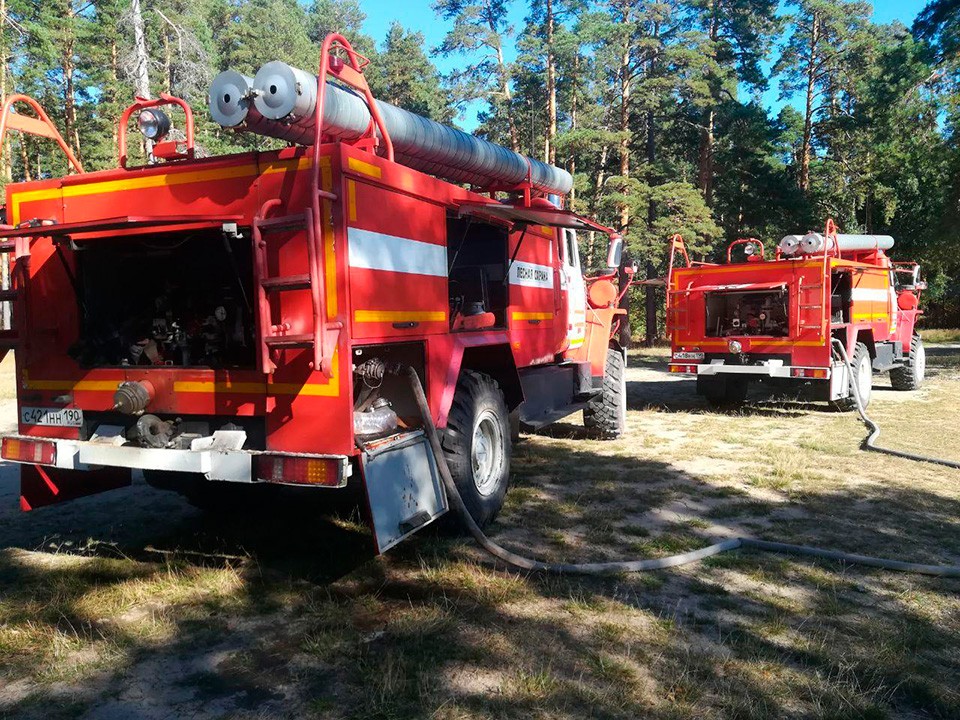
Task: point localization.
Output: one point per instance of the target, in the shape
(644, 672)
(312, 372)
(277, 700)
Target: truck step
(283, 222)
(8, 246)
(8, 295)
(8, 339)
(289, 341)
(286, 282)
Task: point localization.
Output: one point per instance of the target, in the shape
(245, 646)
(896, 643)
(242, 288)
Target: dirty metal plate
(403, 487)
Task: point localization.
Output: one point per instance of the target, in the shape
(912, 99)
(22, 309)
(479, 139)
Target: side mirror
(615, 251)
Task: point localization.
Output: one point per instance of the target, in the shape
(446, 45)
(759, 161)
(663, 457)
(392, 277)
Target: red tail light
(300, 470)
(817, 373)
(38, 452)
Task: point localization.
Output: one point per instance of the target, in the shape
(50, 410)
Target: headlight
(154, 124)
(749, 249)
(735, 347)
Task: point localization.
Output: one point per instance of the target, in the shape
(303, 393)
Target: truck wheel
(909, 376)
(862, 375)
(725, 392)
(606, 414)
(476, 443)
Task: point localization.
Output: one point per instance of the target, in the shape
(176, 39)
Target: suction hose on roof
(608, 568)
(869, 442)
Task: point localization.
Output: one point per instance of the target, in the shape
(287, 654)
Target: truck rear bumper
(767, 368)
(218, 457)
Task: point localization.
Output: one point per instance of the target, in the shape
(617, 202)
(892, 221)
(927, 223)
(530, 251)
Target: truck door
(572, 282)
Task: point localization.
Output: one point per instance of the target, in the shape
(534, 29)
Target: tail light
(37, 452)
(324, 472)
(816, 373)
(691, 369)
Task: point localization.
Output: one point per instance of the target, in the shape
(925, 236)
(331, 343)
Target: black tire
(476, 443)
(863, 372)
(726, 393)
(910, 375)
(606, 414)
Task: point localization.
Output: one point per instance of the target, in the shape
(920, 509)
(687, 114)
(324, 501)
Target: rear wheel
(476, 443)
(863, 377)
(910, 375)
(606, 414)
(723, 392)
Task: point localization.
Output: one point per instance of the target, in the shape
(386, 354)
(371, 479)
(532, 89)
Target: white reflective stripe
(870, 295)
(531, 275)
(377, 251)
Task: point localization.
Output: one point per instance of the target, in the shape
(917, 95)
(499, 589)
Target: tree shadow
(314, 628)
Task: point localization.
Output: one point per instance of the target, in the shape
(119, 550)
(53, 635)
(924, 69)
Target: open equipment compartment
(750, 312)
(176, 299)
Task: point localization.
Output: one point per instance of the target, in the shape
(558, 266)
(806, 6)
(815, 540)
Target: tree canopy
(655, 107)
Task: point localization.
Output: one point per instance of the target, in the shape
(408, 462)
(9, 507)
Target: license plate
(56, 417)
(685, 355)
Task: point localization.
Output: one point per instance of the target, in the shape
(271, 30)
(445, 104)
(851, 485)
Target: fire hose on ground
(869, 442)
(608, 568)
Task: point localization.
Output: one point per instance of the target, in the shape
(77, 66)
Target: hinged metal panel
(403, 487)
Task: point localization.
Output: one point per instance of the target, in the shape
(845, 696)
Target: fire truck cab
(778, 320)
(243, 321)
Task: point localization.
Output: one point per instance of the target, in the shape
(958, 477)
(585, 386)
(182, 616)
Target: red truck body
(778, 320)
(262, 326)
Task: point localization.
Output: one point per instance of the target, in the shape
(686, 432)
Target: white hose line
(869, 442)
(616, 567)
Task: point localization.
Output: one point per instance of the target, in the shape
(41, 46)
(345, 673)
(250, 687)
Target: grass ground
(289, 616)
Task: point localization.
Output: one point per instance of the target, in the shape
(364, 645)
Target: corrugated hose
(625, 566)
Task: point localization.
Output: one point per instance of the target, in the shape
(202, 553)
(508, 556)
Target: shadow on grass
(292, 619)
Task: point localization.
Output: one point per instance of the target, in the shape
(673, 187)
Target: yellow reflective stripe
(759, 343)
(85, 385)
(161, 180)
(370, 316)
(532, 316)
(366, 168)
(329, 389)
(352, 199)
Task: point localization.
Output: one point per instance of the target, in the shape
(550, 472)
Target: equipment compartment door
(403, 486)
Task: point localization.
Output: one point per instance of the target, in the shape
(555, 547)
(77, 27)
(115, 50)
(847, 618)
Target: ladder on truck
(324, 333)
(676, 313)
(15, 251)
(813, 298)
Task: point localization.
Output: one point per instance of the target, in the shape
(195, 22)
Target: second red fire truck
(778, 320)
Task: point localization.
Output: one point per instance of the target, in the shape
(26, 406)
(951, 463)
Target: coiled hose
(609, 568)
(869, 442)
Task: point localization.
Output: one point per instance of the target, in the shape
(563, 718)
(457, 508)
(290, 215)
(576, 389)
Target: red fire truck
(241, 321)
(777, 320)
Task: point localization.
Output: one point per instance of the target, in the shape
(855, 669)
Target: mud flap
(42, 485)
(403, 486)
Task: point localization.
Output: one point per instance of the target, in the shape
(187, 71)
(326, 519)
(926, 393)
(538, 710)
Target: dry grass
(309, 628)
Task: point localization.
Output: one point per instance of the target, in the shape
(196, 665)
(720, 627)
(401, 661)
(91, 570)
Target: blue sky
(417, 15)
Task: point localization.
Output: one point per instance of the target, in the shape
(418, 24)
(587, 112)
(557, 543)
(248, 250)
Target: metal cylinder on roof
(815, 242)
(286, 97)
(231, 105)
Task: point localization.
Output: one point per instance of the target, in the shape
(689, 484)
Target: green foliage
(657, 104)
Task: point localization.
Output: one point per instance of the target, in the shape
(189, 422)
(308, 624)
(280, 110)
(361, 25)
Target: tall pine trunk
(550, 154)
(805, 149)
(705, 160)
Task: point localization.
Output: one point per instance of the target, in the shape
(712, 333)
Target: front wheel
(910, 375)
(476, 443)
(606, 414)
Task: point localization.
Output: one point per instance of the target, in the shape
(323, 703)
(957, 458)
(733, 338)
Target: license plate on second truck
(56, 417)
